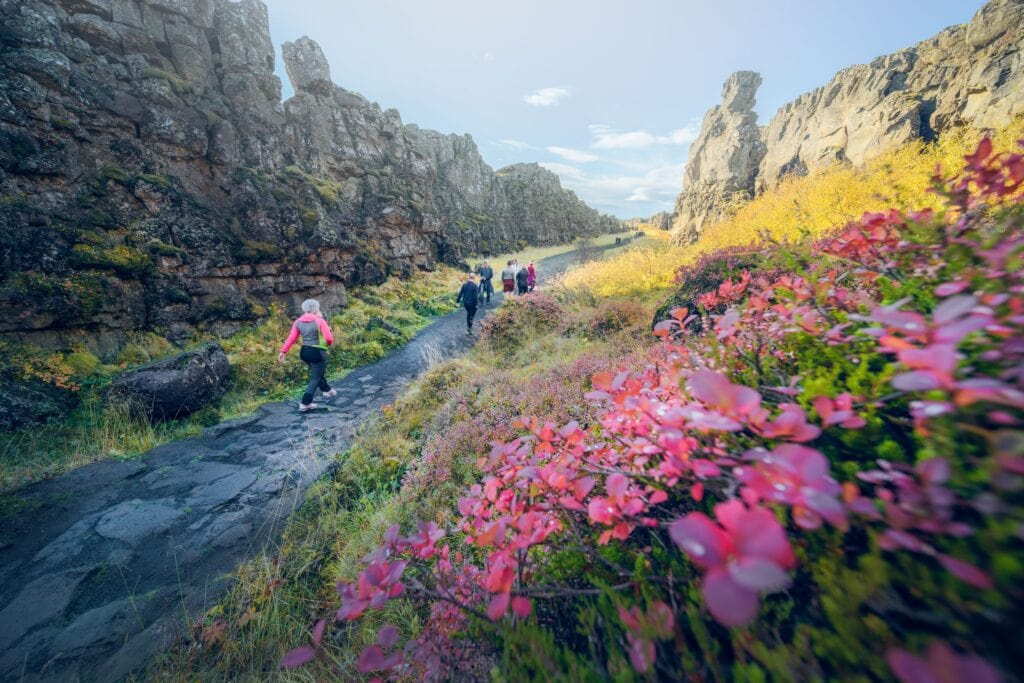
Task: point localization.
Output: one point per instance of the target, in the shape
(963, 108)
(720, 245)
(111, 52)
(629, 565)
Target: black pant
(486, 289)
(470, 312)
(316, 359)
(522, 289)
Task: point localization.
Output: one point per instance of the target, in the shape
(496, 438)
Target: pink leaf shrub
(899, 334)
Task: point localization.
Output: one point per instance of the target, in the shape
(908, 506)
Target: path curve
(110, 560)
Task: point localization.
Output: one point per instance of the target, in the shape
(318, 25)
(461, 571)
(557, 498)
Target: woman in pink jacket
(316, 337)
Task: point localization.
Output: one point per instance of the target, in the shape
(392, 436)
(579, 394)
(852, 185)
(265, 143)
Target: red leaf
(521, 607)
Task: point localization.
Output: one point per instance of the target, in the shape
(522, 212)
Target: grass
(96, 430)
(410, 463)
(535, 254)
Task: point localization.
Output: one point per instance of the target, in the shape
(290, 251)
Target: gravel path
(105, 564)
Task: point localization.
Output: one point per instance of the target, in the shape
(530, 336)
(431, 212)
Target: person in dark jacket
(468, 297)
(523, 280)
(486, 273)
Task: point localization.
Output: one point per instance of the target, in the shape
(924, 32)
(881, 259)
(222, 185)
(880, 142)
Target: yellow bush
(816, 204)
(799, 207)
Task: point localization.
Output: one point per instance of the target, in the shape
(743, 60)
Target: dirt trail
(106, 563)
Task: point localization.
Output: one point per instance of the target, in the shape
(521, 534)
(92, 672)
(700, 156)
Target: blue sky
(606, 93)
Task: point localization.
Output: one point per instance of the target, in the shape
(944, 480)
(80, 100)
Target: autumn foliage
(818, 474)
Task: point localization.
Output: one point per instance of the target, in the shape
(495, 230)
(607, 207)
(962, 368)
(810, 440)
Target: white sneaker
(306, 408)
(329, 394)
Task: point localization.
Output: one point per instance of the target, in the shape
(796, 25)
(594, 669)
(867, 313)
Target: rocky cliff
(151, 176)
(969, 74)
(659, 221)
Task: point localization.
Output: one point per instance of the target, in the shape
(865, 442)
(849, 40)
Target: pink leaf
(916, 381)
(641, 653)
(298, 657)
(758, 574)
(908, 668)
(388, 636)
(318, 631)
(700, 538)
(499, 604)
(934, 470)
(953, 308)
(373, 659)
(616, 485)
(966, 572)
(728, 602)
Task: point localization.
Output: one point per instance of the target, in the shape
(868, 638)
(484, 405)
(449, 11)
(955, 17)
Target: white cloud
(514, 144)
(657, 186)
(563, 170)
(488, 56)
(606, 137)
(574, 155)
(681, 136)
(546, 97)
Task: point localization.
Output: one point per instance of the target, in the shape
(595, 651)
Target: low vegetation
(377, 320)
(814, 474)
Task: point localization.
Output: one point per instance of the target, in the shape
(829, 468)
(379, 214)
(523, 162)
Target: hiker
(316, 337)
(508, 278)
(486, 288)
(523, 280)
(531, 276)
(468, 297)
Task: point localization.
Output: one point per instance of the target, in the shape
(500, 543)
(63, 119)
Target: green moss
(82, 363)
(115, 173)
(101, 219)
(79, 295)
(157, 181)
(179, 85)
(120, 258)
(158, 248)
(62, 124)
(143, 348)
(328, 190)
(252, 251)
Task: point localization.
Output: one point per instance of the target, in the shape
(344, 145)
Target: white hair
(310, 306)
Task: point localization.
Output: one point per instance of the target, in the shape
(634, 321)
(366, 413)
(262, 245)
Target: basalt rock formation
(969, 74)
(151, 176)
(724, 159)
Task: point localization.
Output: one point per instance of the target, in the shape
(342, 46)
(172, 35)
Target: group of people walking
(514, 278)
(312, 328)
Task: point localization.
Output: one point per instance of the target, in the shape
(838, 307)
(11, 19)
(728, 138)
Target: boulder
(175, 387)
(23, 404)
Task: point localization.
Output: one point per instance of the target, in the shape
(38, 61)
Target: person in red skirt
(508, 279)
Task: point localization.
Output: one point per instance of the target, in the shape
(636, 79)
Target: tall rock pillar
(723, 164)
